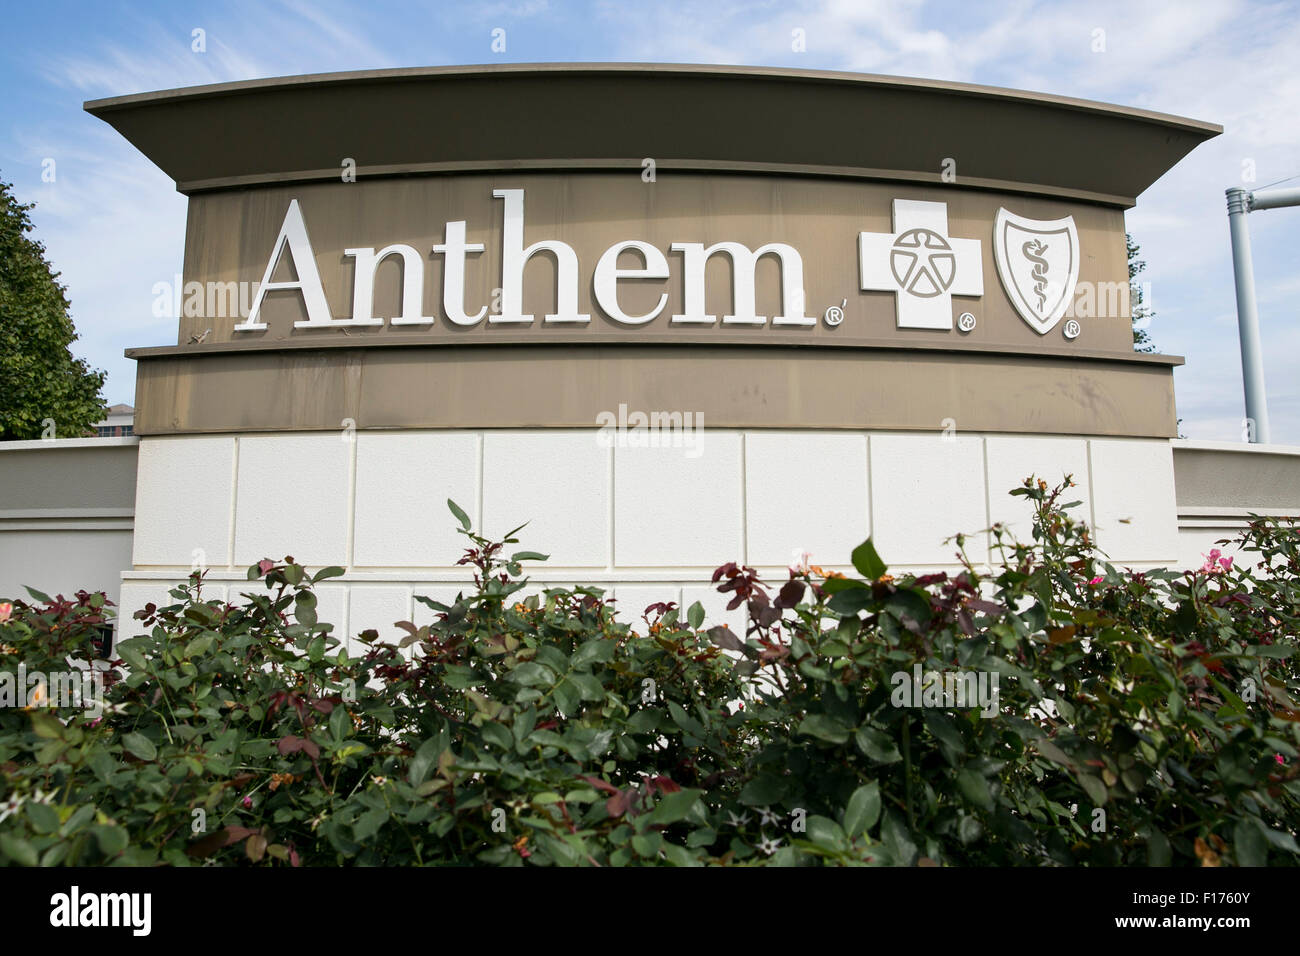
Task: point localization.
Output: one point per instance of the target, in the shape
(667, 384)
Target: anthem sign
(800, 274)
(919, 262)
(514, 256)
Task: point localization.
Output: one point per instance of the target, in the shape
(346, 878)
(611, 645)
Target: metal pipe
(1274, 198)
(1252, 364)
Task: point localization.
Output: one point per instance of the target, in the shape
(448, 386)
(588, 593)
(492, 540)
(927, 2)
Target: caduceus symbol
(1033, 250)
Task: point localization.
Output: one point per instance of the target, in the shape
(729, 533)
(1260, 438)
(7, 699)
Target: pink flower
(1279, 758)
(1215, 563)
(1095, 581)
(248, 803)
(800, 563)
(6, 609)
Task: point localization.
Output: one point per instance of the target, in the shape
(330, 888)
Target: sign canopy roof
(617, 115)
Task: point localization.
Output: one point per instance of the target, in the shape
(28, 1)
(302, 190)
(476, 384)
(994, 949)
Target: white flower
(768, 846)
(800, 561)
(766, 817)
(736, 821)
(10, 807)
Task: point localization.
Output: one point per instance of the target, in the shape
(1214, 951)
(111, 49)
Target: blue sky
(1229, 62)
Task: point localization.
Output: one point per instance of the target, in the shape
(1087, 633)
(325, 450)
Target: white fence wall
(649, 522)
(66, 515)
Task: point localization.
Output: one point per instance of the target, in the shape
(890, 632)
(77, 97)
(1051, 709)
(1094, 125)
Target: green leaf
(531, 674)
(1158, 849)
(672, 807)
(824, 727)
(695, 615)
(495, 733)
(898, 839)
(1095, 789)
(867, 562)
(863, 809)
(763, 791)
(369, 823)
(459, 513)
(705, 836)
(647, 845)
(305, 610)
(112, 840)
(825, 832)
(425, 759)
(529, 556)
(560, 850)
(567, 697)
(588, 686)
(44, 818)
(1270, 650)
(1053, 752)
(598, 649)
(911, 602)
(1249, 843)
(975, 788)
(140, 746)
(851, 601)
(685, 721)
(46, 725)
(877, 745)
(969, 830)
(128, 651)
(18, 850)
(1279, 838)
(679, 856)
(79, 818)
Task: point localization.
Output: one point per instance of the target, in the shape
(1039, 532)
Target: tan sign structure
(529, 246)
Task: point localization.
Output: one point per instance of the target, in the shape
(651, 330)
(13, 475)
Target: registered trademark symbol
(1072, 329)
(835, 314)
(965, 322)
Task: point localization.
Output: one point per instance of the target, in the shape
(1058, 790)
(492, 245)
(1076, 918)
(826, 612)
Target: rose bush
(1138, 718)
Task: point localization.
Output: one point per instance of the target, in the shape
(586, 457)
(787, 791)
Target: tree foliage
(1140, 311)
(40, 379)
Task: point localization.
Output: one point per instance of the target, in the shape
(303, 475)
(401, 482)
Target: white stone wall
(65, 515)
(650, 523)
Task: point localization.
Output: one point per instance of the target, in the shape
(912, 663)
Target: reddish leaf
(291, 744)
(210, 844)
(664, 784)
(618, 804)
(599, 784)
(1060, 635)
(724, 638)
(791, 593)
